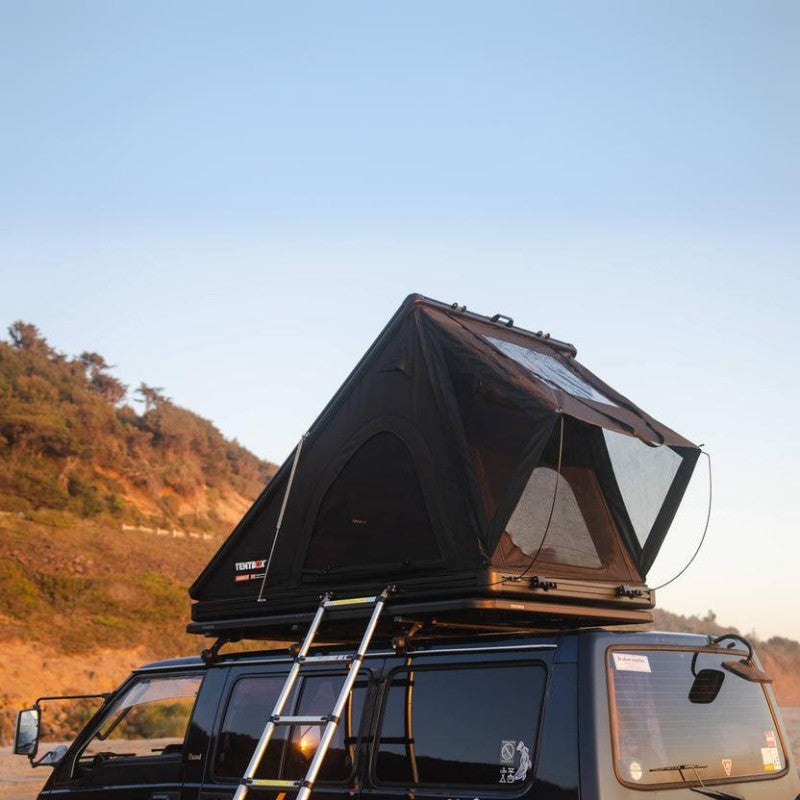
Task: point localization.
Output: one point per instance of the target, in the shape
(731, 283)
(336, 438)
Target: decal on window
(628, 662)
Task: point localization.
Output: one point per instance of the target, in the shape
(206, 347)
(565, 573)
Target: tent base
(504, 604)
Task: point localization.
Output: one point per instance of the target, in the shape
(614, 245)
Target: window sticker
(550, 370)
(628, 662)
(770, 737)
(508, 755)
(507, 749)
(524, 762)
(636, 770)
(727, 765)
(771, 758)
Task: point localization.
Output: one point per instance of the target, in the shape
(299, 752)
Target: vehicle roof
(601, 638)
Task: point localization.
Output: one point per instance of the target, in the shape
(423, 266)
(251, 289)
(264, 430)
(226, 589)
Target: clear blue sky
(228, 200)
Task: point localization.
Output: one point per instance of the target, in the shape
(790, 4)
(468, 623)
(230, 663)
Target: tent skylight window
(550, 370)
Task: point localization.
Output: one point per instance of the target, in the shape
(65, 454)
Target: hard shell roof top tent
(476, 466)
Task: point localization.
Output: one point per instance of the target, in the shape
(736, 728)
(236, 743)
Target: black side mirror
(706, 686)
(26, 735)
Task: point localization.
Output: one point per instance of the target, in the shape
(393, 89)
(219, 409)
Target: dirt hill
(70, 441)
(107, 513)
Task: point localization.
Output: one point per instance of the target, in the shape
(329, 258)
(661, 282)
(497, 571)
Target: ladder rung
(351, 601)
(339, 658)
(282, 719)
(262, 783)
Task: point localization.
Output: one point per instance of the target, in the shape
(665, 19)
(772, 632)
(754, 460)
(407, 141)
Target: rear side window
(290, 749)
(663, 715)
(462, 726)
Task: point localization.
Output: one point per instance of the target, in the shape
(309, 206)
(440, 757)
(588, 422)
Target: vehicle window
(149, 719)
(252, 701)
(318, 696)
(727, 734)
(472, 725)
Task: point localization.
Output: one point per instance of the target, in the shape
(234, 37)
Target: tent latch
(544, 585)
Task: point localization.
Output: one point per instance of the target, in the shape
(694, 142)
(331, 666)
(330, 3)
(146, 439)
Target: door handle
(164, 796)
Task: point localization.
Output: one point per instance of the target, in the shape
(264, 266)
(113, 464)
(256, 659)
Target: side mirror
(26, 735)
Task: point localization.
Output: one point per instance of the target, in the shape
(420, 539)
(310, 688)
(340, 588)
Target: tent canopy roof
(459, 448)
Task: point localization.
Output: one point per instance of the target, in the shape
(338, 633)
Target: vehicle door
(459, 725)
(250, 697)
(134, 749)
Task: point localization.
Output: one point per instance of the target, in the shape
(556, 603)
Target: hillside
(110, 504)
(70, 441)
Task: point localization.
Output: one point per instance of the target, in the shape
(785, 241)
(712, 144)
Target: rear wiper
(701, 789)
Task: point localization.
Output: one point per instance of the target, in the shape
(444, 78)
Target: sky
(229, 200)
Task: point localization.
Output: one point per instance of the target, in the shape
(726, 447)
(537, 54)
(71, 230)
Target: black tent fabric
(462, 456)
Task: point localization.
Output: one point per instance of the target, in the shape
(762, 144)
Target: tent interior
(477, 467)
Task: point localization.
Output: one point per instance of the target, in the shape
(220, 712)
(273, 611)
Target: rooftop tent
(464, 459)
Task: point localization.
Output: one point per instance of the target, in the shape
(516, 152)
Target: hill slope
(69, 441)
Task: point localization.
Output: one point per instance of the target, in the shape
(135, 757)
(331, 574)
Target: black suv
(589, 714)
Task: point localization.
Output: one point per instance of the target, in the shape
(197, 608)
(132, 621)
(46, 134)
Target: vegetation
(71, 442)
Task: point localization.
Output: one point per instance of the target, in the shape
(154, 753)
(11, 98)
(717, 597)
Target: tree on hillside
(151, 396)
(26, 336)
(107, 385)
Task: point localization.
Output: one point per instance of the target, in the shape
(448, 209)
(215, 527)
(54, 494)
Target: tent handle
(508, 322)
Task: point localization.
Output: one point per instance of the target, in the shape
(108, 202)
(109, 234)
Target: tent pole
(280, 515)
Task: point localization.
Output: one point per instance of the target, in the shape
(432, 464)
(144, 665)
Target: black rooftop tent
(476, 466)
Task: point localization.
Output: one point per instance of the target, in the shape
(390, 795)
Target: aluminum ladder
(329, 721)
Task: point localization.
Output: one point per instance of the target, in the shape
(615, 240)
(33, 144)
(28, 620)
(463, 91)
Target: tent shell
(405, 393)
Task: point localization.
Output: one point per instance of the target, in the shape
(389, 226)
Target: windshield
(728, 732)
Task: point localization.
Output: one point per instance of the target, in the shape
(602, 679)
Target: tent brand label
(249, 570)
(248, 566)
(628, 662)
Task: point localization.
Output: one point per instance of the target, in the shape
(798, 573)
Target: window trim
(612, 721)
(362, 735)
(482, 788)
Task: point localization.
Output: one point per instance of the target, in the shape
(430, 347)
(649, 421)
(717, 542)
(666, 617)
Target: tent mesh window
(356, 528)
(562, 517)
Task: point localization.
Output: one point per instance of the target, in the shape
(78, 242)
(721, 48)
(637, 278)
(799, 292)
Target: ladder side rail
(288, 686)
(330, 729)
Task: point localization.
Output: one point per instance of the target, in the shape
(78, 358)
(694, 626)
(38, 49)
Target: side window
(464, 726)
(319, 695)
(149, 719)
(252, 701)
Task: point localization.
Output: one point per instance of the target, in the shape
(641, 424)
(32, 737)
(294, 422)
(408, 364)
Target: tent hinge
(543, 584)
(628, 591)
